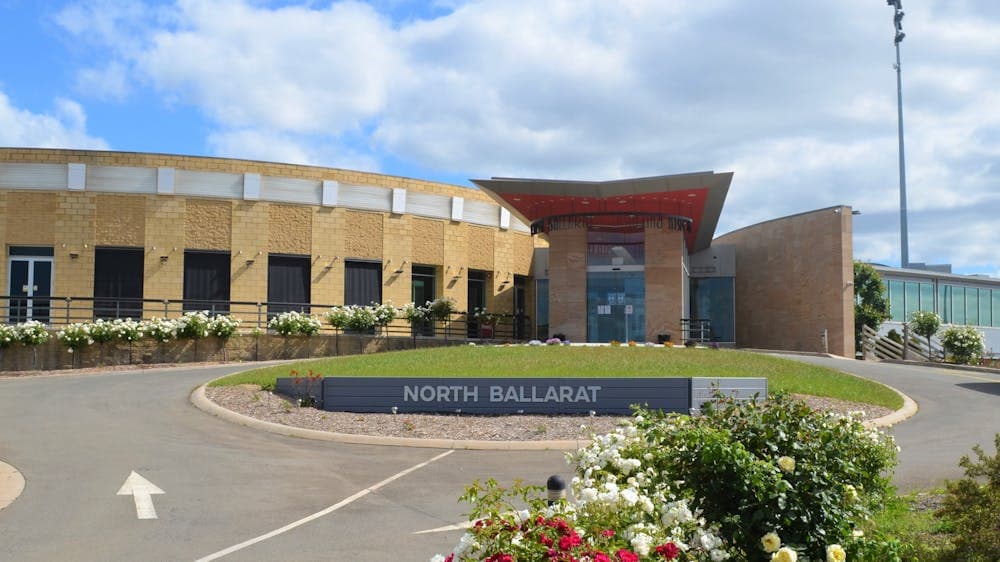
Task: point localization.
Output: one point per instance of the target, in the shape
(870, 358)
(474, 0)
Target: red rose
(601, 557)
(569, 541)
(544, 539)
(626, 556)
(608, 533)
(668, 551)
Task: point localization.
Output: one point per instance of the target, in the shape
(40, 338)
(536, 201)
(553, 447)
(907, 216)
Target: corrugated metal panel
(33, 176)
(121, 179)
(209, 184)
(478, 212)
(366, 197)
(428, 205)
(291, 190)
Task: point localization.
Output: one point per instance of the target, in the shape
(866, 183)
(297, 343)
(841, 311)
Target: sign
(519, 395)
(628, 309)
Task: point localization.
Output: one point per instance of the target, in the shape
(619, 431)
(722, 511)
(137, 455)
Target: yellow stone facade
(73, 223)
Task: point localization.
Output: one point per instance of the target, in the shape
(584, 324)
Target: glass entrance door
(616, 304)
(30, 288)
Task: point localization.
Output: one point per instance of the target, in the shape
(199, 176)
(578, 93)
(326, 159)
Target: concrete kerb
(11, 484)
(201, 401)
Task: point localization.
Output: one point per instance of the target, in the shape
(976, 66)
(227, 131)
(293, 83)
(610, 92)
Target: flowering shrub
(486, 317)
(160, 329)
(75, 336)
(31, 333)
(8, 335)
(223, 326)
(295, 323)
(338, 317)
(384, 313)
(102, 331)
(193, 325)
(361, 318)
(442, 308)
(127, 330)
(744, 481)
(415, 315)
(553, 341)
(963, 343)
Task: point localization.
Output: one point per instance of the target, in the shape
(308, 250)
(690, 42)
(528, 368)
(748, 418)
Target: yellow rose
(784, 555)
(786, 464)
(834, 553)
(771, 542)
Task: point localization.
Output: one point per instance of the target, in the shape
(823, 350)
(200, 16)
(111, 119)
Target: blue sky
(796, 98)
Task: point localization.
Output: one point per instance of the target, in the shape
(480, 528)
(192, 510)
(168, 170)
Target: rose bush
(743, 481)
(964, 344)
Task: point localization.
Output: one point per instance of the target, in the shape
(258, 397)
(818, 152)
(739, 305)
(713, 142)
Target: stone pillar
(568, 283)
(664, 283)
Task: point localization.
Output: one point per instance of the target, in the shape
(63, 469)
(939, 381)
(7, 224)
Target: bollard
(555, 489)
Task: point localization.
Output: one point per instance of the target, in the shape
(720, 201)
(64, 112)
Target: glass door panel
(616, 306)
(30, 289)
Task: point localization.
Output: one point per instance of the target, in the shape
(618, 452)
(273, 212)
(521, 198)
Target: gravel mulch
(251, 401)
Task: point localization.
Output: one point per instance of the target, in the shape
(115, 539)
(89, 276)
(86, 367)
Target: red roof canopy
(697, 196)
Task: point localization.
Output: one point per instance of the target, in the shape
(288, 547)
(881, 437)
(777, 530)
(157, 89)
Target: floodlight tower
(897, 19)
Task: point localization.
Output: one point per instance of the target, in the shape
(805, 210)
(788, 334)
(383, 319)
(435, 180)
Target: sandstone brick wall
(664, 283)
(121, 220)
(568, 283)
(792, 278)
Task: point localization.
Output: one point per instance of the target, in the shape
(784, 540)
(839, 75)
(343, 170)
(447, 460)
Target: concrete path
(957, 409)
(237, 493)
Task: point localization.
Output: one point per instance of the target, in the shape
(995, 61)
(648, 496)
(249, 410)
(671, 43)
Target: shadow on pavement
(985, 387)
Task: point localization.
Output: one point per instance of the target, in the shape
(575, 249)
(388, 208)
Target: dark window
(520, 307)
(118, 282)
(422, 279)
(477, 298)
(206, 281)
(362, 282)
(288, 283)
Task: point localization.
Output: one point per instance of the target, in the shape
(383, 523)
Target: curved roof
(698, 196)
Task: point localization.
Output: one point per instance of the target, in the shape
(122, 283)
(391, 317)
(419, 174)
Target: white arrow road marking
(141, 490)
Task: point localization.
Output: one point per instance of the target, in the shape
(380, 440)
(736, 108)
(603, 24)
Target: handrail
(60, 311)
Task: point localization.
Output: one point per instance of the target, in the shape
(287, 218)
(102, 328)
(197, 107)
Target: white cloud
(797, 98)
(65, 127)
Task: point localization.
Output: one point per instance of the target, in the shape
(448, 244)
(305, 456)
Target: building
(970, 300)
(116, 233)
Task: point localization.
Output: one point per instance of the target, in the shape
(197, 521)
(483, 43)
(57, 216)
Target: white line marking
(319, 514)
(140, 489)
(456, 527)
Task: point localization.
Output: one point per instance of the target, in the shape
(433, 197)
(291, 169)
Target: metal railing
(60, 311)
(696, 329)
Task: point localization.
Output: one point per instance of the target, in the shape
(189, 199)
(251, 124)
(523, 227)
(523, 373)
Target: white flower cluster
(613, 480)
(192, 325)
(295, 323)
(29, 333)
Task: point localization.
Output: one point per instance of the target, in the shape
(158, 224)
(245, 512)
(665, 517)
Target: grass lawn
(564, 361)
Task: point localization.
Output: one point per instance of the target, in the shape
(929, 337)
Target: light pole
(897, 19)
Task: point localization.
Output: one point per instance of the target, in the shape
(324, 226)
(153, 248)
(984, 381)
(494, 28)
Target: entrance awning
(695, 197)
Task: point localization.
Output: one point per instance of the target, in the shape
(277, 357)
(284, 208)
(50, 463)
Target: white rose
(786, 464)
(835, 553)
(784, 554)
(771, 542)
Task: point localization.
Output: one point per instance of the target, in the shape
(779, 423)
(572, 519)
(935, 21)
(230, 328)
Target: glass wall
(955, 304)
(616, 248)
(542, 309)
(713, 299)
